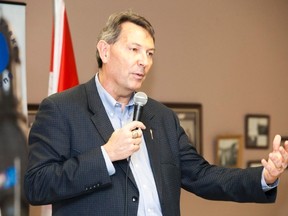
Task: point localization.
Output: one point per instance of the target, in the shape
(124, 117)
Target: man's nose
(143, 59)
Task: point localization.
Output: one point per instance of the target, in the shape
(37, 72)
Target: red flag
(63, 72)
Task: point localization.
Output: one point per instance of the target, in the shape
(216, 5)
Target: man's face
(130, 58)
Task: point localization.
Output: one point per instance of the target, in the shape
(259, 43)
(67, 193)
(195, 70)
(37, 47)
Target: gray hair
(112, 29)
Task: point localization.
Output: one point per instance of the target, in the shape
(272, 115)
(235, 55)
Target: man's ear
(103, 49)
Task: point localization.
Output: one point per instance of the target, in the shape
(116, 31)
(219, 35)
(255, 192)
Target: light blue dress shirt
(149, 204)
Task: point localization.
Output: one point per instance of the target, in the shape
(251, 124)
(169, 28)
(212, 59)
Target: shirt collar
(109, 102)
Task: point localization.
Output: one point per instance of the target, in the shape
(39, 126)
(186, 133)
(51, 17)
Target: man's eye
(150, 54)
(134, 49)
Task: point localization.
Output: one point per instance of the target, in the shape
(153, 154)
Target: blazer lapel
(102, 121)
(99, 117)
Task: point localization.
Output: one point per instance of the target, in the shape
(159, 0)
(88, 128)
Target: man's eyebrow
(139, 45)
(150, 50)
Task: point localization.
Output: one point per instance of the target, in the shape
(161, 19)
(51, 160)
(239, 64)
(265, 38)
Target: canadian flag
(63, 72)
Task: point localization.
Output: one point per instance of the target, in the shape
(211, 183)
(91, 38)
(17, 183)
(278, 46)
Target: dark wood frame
(257, 129)
(190, 112)
(32, 110)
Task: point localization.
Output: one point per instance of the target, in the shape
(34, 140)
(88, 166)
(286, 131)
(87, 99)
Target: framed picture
(254, 163)
(257, 131)
(190, 116)
(229, 151)
(32, 110)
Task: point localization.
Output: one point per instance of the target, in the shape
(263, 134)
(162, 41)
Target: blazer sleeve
(218, 183)
(56, 169)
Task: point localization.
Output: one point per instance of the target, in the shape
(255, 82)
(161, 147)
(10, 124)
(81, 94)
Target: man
(87, 156)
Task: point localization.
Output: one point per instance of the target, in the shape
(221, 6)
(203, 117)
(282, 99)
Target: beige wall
(229, 55)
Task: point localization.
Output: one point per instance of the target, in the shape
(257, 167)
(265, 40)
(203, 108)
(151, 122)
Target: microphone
(140, 99)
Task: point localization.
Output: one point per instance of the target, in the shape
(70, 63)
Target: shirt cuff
(109, 164)
(266, 187)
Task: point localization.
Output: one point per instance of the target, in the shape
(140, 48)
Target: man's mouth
(138, 75)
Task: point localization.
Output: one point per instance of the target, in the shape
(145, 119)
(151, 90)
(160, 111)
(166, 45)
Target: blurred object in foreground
(13, 157)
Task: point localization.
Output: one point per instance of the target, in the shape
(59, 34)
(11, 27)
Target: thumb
(276, 143)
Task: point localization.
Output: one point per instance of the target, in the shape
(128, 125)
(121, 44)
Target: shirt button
(134, 199)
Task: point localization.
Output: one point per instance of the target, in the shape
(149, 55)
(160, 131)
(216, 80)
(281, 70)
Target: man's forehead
(129, 27)
(135, 34)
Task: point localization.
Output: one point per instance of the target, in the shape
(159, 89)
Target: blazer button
(134, 199)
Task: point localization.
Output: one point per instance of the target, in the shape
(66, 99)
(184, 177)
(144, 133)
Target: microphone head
(140, 98)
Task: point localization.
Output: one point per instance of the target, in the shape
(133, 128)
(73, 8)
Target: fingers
(136, 137)
(280, 153)
(135, 125)
(271, 173)
(275, 165)
(284, 155)
(275, 160)
(135, 134)
(125, 141)
(286, 145)
(276, 143)
(264, 163)
(135, 129)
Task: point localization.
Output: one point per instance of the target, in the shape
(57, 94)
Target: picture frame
(32, 111)
(257, 131)
(190, 117)
(254, 163)
(229, 150)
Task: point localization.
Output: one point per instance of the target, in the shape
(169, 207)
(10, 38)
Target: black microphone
(140, 99)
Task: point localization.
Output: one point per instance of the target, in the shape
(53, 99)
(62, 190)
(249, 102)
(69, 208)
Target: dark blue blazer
(66, 166)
